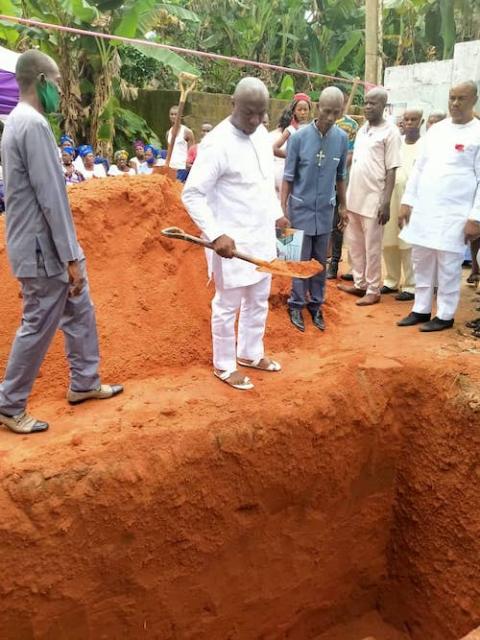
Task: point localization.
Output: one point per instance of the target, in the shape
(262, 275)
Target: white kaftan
(230, 190)
(444, 187)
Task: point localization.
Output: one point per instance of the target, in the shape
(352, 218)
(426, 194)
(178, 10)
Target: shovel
(185, 89)
(289, 268)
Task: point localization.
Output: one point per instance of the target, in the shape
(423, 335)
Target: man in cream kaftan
(397, 255)
(441, 210)
(230, 195)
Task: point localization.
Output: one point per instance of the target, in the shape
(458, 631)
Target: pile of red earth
(151, 294)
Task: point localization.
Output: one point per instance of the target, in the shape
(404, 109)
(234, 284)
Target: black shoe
(332, 270)
(317, 319)
(405, 296)
(436, 324)
(347, 276)
(296, 318)
(386, 290)
(413, 318)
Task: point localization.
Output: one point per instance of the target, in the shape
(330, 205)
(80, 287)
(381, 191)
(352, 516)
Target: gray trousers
(313, 288)
(46, 308)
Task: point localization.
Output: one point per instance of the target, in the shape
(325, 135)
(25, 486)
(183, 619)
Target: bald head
(332, 95)
(250, 103)
(31, 65)
(375, 102)
(330, 108)
(378, 93)
(469, 86)
(461, 101)
(250, 87)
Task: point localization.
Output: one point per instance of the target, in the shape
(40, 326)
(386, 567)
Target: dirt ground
(344, 486)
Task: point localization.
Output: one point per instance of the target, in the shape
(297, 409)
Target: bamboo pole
(373, 40)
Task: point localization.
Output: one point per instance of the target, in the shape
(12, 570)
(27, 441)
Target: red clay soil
(345, 485)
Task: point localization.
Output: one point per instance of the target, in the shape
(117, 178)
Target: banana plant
(94, 59)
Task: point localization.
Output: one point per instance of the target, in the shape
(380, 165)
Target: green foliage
(137, 69)
(128, 127)
(287, 88)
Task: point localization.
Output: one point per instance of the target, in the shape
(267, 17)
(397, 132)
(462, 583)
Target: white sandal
(272, 366)
(245, 385)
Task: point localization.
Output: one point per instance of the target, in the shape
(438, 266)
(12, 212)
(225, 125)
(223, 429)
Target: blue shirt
(314, 163)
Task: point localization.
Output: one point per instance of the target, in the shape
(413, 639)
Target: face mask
(48, 95)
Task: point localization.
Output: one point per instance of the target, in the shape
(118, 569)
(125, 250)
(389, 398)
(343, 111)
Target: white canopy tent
(8, 60)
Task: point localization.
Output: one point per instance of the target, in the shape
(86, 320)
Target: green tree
(91, 67)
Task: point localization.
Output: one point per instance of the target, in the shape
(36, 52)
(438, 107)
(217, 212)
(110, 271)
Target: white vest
(180, 149)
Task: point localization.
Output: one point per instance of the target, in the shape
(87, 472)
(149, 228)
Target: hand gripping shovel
(289, 268)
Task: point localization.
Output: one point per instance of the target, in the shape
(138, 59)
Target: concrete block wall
(427, 84)
(154, 106)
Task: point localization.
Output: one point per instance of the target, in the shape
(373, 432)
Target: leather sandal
(244, 385)
(256, 364)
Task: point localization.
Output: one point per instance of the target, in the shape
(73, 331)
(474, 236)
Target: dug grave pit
(337, 500)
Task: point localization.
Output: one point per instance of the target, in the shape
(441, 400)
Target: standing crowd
(384, 190)
(81, 163)
(399, 199)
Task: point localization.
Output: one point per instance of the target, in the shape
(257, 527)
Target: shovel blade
(291, 268)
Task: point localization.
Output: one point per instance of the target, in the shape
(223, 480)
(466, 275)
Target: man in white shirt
(441, 210)
(372, 177)
(230, 195)
(183, 142)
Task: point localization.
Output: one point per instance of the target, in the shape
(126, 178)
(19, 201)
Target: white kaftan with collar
(444, 187)
(230, 190)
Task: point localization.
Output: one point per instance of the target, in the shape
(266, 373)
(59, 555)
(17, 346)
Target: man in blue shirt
(316, 164)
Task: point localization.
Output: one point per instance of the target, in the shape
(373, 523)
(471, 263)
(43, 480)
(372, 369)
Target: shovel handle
(175, 233)
(184, 91)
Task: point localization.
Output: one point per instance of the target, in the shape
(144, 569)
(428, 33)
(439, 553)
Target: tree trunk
(71, 106)
(103, 93)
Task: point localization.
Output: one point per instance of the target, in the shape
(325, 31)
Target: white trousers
(251, 303)
(364, 237)
(396, 261)
(432, 267)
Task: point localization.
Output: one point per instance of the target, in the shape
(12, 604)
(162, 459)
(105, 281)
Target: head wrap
(66, 138)
(150, 147)
(69, 150)
(119, 155)
(84, 150)
(299, 97)
(138, 143)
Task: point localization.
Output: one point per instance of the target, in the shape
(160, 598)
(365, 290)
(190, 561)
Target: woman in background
(300, 112)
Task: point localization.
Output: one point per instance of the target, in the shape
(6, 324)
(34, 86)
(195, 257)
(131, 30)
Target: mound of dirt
(151, 293)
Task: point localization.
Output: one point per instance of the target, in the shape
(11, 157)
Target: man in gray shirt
(316, 164)
(44, 252)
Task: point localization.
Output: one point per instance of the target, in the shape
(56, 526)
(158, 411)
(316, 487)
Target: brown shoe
(353, 291)
(370, 298)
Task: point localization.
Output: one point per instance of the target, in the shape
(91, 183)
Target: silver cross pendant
(321, 157)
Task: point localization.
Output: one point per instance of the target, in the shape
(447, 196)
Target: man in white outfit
(441, 210)
(230, 194)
